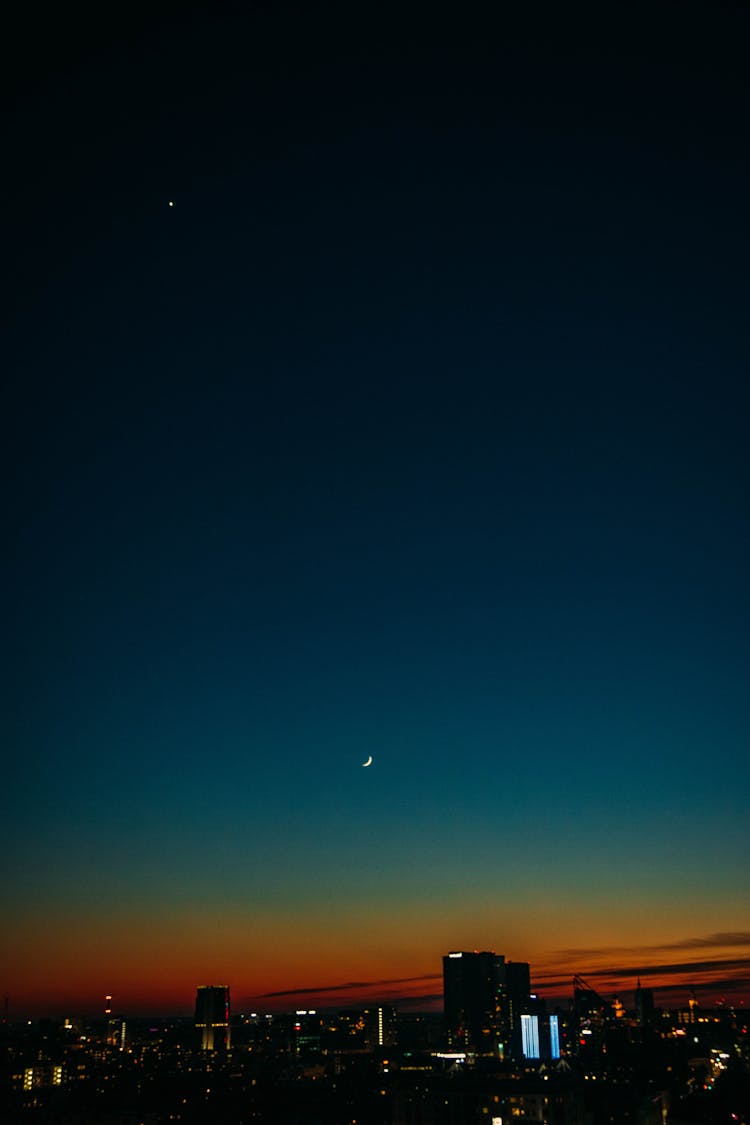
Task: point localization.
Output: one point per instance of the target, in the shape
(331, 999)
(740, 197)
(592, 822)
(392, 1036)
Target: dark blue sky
(416, 428)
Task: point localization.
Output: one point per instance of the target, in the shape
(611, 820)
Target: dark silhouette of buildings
(490, 1011)
(473, 987)
(212, 1015)
(579, 1064)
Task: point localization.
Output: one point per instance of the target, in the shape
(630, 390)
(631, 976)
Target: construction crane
(587, 1001)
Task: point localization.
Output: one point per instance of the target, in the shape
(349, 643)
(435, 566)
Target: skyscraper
(212, 1015)
(515, 1004)
(472, 994)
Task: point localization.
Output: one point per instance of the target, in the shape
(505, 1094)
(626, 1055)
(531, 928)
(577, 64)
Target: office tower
(515, 1004)
(473, 986)
(212, 1015)
(518, 979)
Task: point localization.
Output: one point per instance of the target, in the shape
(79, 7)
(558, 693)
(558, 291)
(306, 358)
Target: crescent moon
(368, 762)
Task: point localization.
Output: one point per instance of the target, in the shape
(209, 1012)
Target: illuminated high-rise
(212, 1015)
(530, 1035)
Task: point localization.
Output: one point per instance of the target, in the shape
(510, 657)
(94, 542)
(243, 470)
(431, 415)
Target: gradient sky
(417, 428)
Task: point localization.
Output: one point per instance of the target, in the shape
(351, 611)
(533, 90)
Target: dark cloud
(738, 937)
(310, 990)
(716, 984)
(553, 982)
(732, 939)
(636, 970)
(424, 1000)
(724, 974)
(716, 976)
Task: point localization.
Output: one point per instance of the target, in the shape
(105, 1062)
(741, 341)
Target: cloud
(626, 964)
(731, 985)
(314, 990)
(675, 967)
(733, 938)
(424, 999)
(716, 975)
(729, 975)
(553, 982)
(643, 970)
(728, 939)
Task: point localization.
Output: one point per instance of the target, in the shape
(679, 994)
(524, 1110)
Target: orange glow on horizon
(275, 959)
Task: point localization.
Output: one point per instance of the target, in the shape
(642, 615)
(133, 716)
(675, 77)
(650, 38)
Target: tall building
(518, 979)
(115, 1027)
(473, 985)
(212, 1015)
(515, 1004)
(383, 1026)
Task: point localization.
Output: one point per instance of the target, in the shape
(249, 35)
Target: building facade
(473, 990)
(212, 1016)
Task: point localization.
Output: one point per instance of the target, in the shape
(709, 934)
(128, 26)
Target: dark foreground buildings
(496, 1056)
(490, 1009)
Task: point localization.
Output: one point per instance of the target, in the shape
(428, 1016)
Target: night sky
(416, 428)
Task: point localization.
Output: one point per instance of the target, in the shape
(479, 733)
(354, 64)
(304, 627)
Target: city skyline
(378, 392)
(715, 983)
